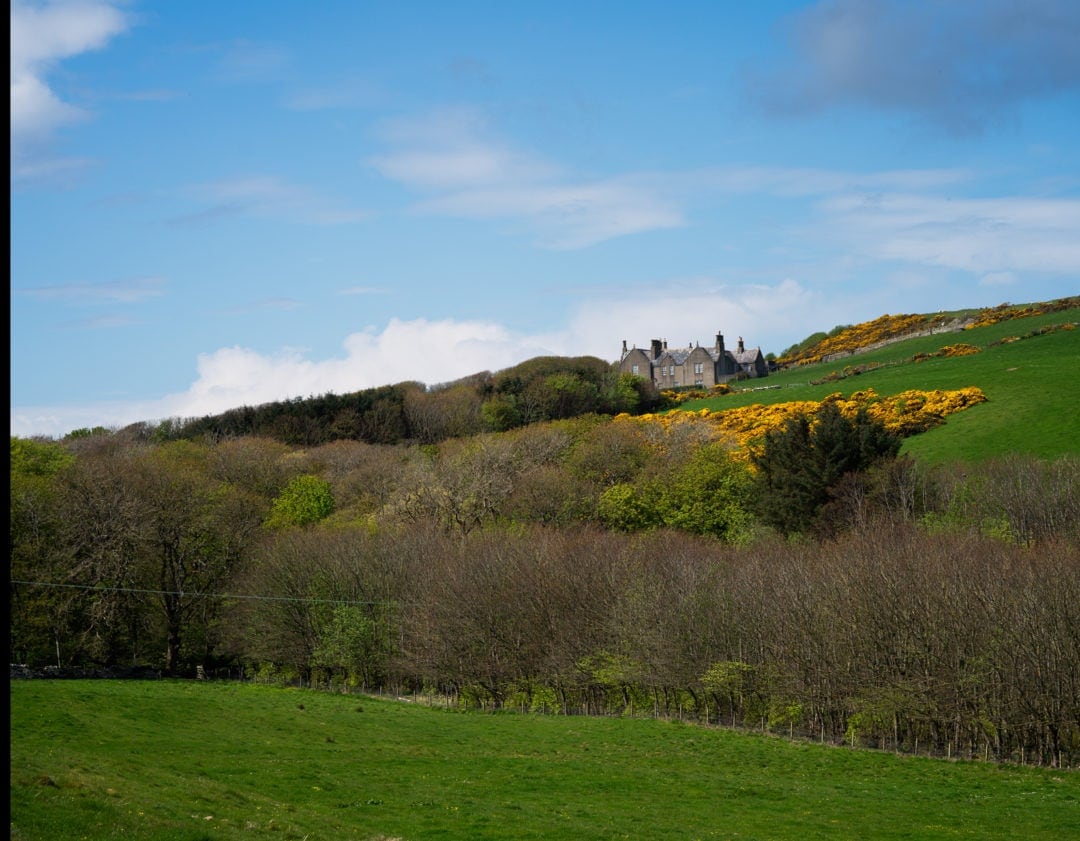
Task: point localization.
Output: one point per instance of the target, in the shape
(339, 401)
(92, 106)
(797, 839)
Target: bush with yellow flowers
(1007, 312)
(947, 351)
(906, 413)
(858, 337)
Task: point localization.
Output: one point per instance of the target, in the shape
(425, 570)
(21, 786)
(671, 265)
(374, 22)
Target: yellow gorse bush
(949, 350)
(1006, 312)
(885, 327)
(960, 350)
(905, 414)
(859, 337)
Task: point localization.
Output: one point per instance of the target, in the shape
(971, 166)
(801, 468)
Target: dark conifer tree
(802, 462)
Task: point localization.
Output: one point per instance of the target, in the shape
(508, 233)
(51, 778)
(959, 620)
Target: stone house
(693, 367)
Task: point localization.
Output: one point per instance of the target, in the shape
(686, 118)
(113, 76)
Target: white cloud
(794, 182)
(432, 352)
(565, 216)
(765, 315)
(984, 236)
(42, 36)
(450, 156)
(427, 351)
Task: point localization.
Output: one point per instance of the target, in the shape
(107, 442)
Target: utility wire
(196, 594)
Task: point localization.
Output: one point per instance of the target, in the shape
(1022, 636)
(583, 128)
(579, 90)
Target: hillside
(597, 564)
(1025, 365)
(887, 329)
(890, 354)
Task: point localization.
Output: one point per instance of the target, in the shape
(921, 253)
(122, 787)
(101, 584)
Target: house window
(699, 367)
(634, 369)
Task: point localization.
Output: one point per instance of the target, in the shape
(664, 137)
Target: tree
(799, 464)
(34, 528)
(625, 507)
(101, 516)
(708, 495)
(356, 641)
(194, 533)
(305, 500)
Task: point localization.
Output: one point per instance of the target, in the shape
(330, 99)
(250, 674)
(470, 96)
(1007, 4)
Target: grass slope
(1032, 386)
(191, 760)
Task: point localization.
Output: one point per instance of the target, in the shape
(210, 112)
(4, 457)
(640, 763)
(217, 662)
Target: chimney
(657, 347)
(720, 344)
(741, 348)
(624, 347)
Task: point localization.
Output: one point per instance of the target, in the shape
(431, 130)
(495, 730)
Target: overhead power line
(195, 594)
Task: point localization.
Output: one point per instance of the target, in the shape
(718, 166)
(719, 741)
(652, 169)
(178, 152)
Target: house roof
(676, 355)
(747, 356)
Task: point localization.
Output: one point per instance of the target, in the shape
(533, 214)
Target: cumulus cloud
(959, 64)
(435, 351)
(764, 314)
(450, 158)
(42, 35)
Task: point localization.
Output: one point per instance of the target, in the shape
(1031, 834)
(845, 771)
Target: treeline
(583, 565)
(950, 643)
(543, 388)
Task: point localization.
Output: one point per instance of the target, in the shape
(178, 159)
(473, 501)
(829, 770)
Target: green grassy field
(1032, 386)
(196, 760)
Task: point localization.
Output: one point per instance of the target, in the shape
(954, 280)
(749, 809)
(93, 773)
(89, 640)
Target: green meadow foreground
(194, 760)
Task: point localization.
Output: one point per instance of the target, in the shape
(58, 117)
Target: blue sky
(222, 204)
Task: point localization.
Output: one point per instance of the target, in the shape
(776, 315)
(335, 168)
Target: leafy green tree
(802, 462)
(34, 528)
(708, 495)
(625, 507)
(305, 500)
(356, 641)
(500, 413)
(194, 533)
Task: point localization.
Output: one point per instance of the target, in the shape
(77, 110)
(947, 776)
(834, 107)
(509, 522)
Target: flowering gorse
(906, 413)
